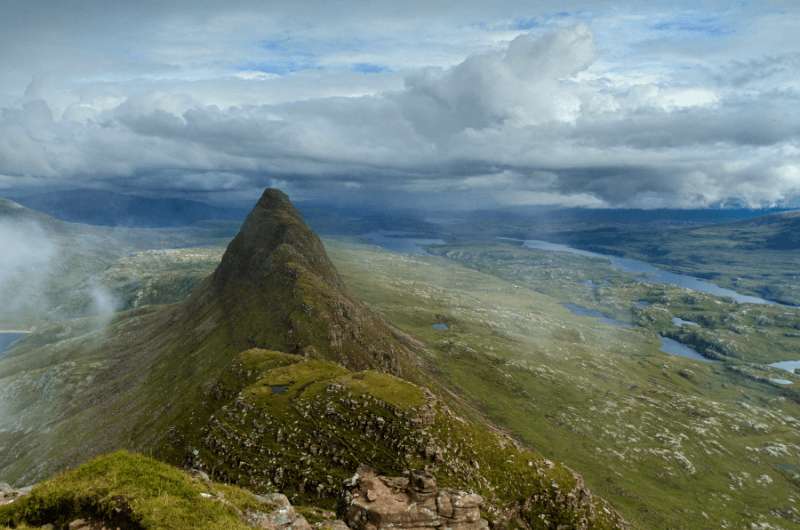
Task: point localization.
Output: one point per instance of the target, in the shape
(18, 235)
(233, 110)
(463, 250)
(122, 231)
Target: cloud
(24, 272)
(35, 280)
(545, 114)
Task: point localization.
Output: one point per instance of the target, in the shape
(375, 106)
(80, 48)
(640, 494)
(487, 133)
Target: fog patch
(27, 256)
(103, 303)
(38, 282)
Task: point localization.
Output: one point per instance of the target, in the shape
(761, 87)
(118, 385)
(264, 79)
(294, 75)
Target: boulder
(278, 514)
(374, 502)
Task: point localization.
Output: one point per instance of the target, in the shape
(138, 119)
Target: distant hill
(107, 208)
(779, 231)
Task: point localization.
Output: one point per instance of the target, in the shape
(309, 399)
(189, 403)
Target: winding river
(650, 273)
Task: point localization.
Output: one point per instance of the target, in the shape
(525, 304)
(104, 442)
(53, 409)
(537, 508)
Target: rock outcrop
(374, 502)
(281, 516)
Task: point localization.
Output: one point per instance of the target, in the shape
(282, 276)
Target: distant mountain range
(108, 208)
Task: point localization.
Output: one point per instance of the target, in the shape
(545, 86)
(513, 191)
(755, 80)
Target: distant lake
(7, 339)
(651, 274)
(673, 347)
(397, 241)
(579, 310)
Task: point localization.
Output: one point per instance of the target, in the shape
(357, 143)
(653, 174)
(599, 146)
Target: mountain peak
(276, 288)
(272, 197)
(274, 236)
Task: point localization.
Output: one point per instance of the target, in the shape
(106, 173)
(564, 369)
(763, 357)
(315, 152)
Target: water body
(7, 339)
(440, 326)
(397, 241)
(781, 381)
(673, 347)
(580, 310)
(681, 322)
(789, 366)
(650, 273)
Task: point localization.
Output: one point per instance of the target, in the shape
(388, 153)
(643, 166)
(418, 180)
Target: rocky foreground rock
(374, 502)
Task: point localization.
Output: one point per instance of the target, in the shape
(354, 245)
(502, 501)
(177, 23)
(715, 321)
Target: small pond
(789, 366)
(580, 310)
(440, 326)
(7, 339)
(681, 322)
(673, 347)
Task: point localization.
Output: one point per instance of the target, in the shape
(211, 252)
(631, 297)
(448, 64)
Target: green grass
(132, 491)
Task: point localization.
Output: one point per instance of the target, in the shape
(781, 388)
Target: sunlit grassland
(671, 442)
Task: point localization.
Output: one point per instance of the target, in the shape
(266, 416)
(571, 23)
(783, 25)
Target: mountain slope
(198, 383)
(132, 383)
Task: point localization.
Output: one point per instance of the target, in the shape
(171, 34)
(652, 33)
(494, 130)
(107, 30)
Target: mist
(25, 268)
(34, 284)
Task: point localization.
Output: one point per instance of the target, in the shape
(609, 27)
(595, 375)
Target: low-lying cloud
(540, 119)
(34, 286)
(25, 267)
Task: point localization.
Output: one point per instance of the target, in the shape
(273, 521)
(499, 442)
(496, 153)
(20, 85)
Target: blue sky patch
(705, 25)
(369, 68)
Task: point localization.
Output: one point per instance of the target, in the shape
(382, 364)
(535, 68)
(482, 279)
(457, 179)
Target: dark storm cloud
(469, 103)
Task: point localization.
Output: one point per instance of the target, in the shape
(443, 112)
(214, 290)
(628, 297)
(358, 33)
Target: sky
(430, 104)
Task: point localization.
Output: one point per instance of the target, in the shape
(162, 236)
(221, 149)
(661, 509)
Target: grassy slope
(302, 427)
(134, 492)
(673, 443)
